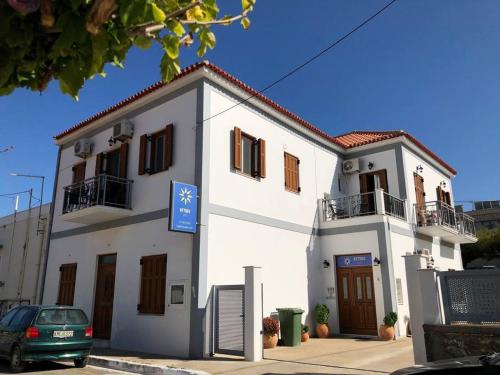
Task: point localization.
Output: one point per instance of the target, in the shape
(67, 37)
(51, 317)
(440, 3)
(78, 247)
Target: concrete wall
(22, 281)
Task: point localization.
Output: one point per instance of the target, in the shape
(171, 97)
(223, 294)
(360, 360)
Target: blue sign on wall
(183, 207)
(346, 261)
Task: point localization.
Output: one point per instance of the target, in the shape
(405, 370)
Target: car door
(4, 332)
(18, 325)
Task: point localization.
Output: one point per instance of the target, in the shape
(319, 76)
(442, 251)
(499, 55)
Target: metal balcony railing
(101, 190)
(394, 206)
(465, 224)
(435, 213)
(351, 206)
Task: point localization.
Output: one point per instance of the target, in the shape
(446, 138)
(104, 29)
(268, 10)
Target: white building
(273, 192)
(23, 241)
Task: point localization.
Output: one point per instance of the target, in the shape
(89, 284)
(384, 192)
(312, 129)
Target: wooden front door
(356, 301)
(104, 295)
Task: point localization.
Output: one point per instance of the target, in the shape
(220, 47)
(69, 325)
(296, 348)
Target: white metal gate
(230, 319)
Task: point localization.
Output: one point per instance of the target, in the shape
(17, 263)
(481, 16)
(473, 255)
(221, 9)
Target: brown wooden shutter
(143, 143)
(292, 173)
(363, 183)
(447, 198)
(79, 172)
(67, 279)
(98, 163)
(262, 158)
(168, 148)
(439, 194)
(237, 149)
(419, 189)
(153, 284)
(123, 160)
(382, 175)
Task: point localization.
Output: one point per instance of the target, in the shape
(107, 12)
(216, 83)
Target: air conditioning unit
(425, 252)
(123, 130)
(350, 166)
(83, 148)
(2, 283)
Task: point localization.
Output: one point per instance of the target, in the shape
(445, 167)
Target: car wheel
(81, 362)
(16, 363)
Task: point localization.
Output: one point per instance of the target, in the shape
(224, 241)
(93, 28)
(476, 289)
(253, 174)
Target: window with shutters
(249, 154)
(156, 151)
(292, 181)
(79, 172)
(67, 279)
(153, 280)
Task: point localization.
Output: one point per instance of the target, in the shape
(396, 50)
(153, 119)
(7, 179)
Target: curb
(140, 368)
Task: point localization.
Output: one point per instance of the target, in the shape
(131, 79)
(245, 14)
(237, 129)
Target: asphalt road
(53, 368)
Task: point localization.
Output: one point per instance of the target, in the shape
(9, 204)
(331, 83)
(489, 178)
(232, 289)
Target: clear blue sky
(429, 67)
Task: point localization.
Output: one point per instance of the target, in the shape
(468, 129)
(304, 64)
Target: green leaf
(142, 42)
(133, 11)
(169, 68)
(247, 4)
(117, 62)
(158, 14)
(71, 79)
(100, 43)
(245, 22)
(171, 46)
(176, 27)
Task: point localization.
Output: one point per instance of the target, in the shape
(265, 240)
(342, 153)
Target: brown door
(367, 184)
(79, 172)
(356, 301)
(420, 198)
(104, 295)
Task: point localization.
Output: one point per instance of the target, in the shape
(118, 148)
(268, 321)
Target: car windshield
(61, 316)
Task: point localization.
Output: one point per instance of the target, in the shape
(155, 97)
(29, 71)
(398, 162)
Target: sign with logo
(347, 261)
(183, 207)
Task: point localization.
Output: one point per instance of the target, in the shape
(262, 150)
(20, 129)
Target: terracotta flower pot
(304, 337)
(386, 333)
(270, 341)
(322, 330)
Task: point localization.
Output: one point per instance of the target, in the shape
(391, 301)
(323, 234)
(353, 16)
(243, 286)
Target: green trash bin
(290, 325)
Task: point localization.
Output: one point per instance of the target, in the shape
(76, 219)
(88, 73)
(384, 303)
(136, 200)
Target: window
(156, 151)
(399, 292)
(292, 182)
(153, 278)
(8, 317)
(113, 163)
(61, 316)
(23, 318)
(249, 154)
(67, 279)
(177, 295)
(79, 172)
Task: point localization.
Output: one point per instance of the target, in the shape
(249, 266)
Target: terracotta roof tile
(348, 140)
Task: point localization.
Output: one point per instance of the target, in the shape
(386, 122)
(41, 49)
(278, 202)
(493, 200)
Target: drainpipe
(20, 282)
(49, 228)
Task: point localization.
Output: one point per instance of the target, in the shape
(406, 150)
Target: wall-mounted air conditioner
(83, 148)
(2, 283)
(425, 252)
(123, 130)
(350, 166)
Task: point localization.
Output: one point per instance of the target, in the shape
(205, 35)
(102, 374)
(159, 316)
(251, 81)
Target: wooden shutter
(67, 280)
(237, 149)
(382, 175)
(143, 145)
(363, 183)
(262, 158)
(447, 198)
(79, 172)
(153, 284)
(168, 146)
(292, 173)
(98, 163)
(419, 189)
(123, 160)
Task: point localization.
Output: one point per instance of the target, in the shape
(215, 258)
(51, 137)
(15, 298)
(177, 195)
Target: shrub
(305, 328)
(321, 313)
(390, 319)
(271, 326)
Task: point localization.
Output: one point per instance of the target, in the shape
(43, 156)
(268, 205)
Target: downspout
(49, 229)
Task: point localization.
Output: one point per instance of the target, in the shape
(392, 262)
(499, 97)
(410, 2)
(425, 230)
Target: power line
(310, 60)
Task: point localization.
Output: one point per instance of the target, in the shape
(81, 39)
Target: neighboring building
(23, 241)
(274, 191)
(486, 214)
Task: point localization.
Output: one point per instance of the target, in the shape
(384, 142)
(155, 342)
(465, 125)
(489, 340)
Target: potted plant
(321, 314)
(386, 331)
(305, 333)
(271, 329)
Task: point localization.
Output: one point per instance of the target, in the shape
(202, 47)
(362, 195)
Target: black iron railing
(465, 224)
(435, 213)
(351, 206)
(394, 206)
(101, 190)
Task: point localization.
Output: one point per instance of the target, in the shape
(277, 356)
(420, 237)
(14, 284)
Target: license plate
(63, 334)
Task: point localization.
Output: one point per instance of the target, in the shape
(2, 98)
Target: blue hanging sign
(362, 260)
(183, 207)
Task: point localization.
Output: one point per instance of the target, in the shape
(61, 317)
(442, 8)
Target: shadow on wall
(314, 285)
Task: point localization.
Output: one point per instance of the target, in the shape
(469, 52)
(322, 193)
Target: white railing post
(379, 201)
(253, 314)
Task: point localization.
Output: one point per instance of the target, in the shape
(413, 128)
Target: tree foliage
(487, 246)
(72, 40)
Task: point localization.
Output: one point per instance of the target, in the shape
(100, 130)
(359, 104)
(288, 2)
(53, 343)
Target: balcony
(365, 204)
(439, 219)
(97, 199)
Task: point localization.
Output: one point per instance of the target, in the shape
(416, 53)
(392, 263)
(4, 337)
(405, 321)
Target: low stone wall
(454, 341)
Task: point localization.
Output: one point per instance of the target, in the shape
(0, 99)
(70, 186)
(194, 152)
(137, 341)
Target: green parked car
(45, 333)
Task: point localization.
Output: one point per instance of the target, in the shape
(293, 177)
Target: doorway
(104, 295)
(356, 295)
(368, 182)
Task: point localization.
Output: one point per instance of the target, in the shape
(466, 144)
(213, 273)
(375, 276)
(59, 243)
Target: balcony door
(112, 168)
(367, 184)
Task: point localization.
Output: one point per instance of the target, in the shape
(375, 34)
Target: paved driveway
(53, 368)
